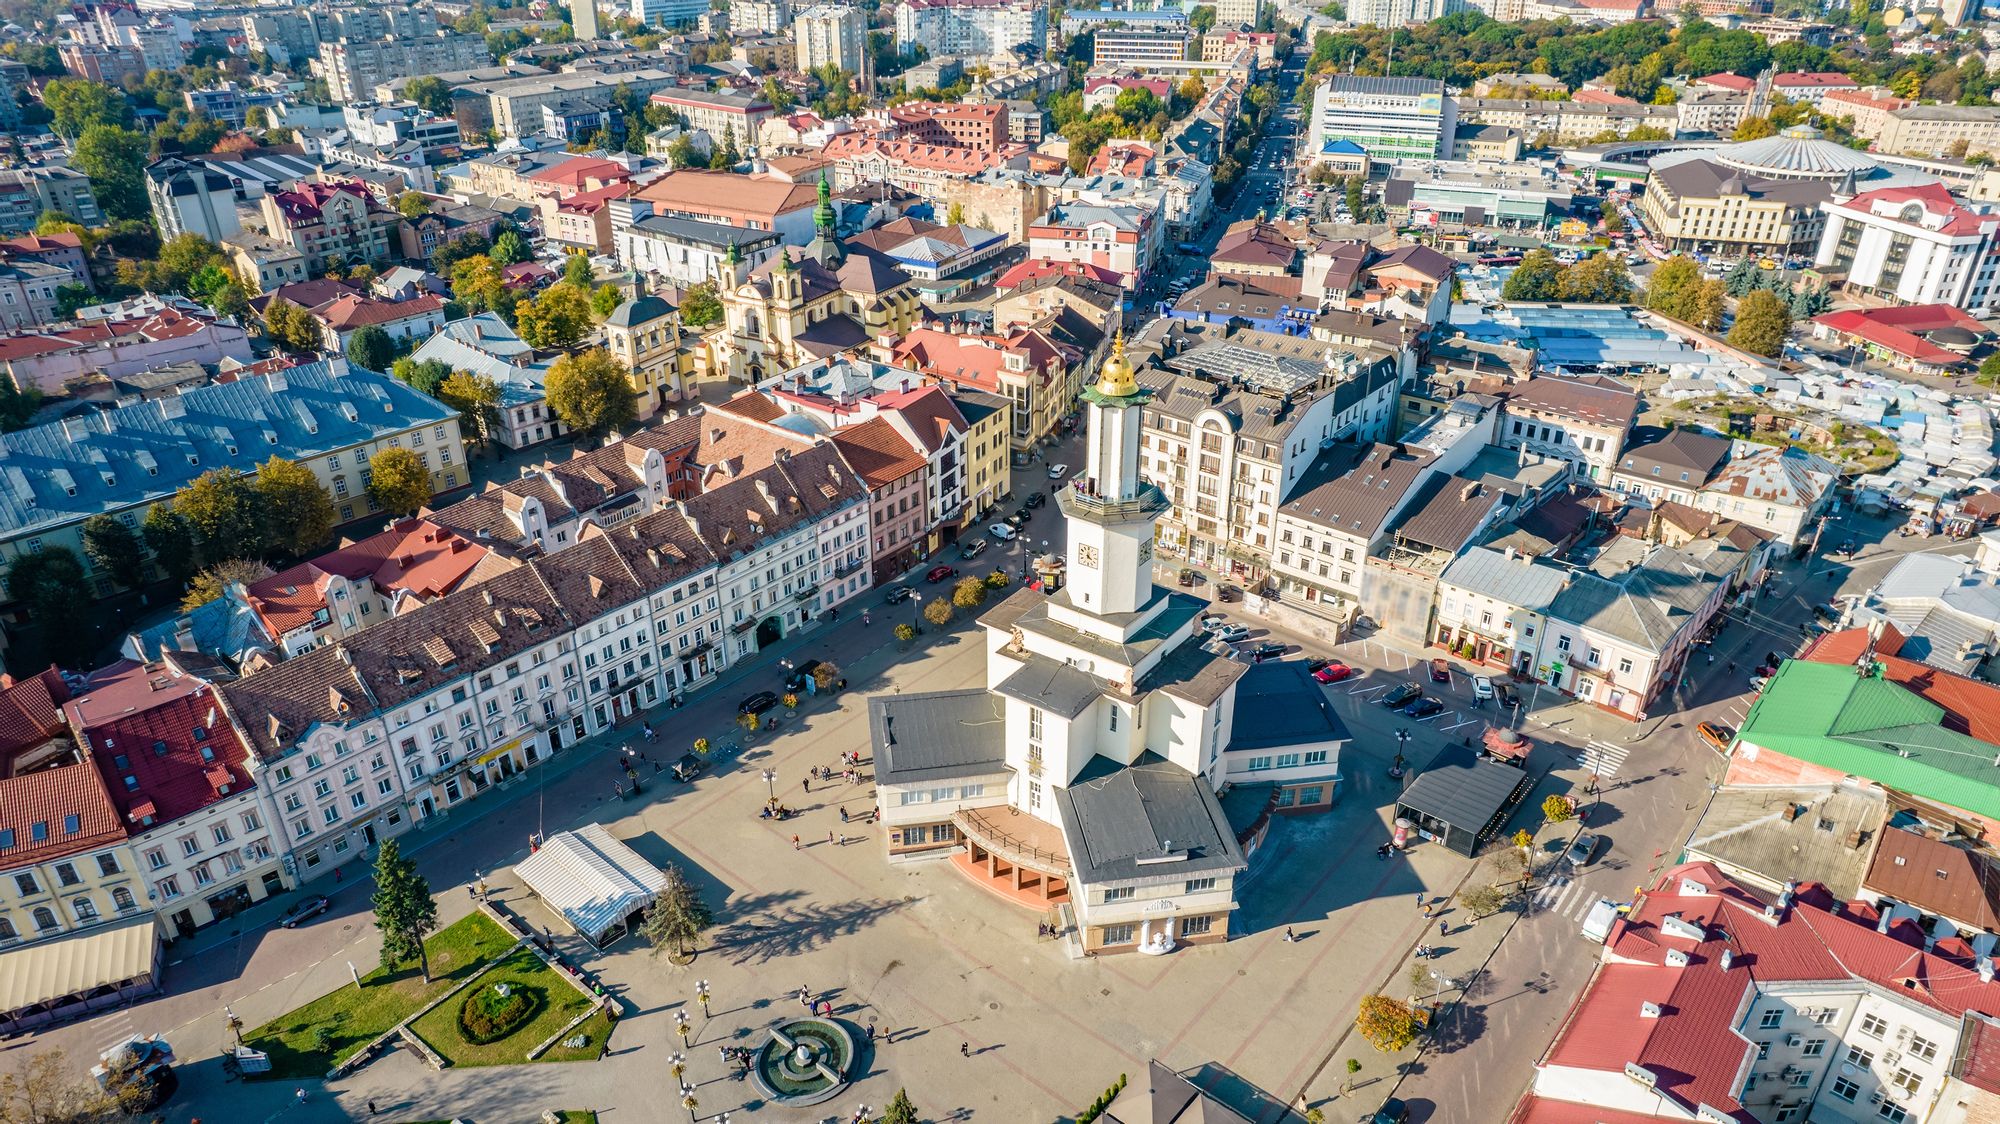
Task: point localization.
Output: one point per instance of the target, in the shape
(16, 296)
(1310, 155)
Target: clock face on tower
(1146, 550)
(1086, 555)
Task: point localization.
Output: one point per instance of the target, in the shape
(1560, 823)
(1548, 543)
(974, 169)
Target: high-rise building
(190, 197)
(669, 13)
(1236, 13)
(833, 35)
(1912, 245)
(760, 17)
(354, 67)
(970, 27)
(583, 19)
(1390, 118)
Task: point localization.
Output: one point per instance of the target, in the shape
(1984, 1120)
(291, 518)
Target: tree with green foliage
(591, 392)
(1709, 303)
(214, 581)
(510, 248)
(1387, 1024)
(682, 152)
(900, 1110)
(1598, 279)
(398, 482)
(115, 160)
(577, 271)
(115, 549)
(226, 512)
(970, 593)
(701, 305)
(1763, 320)
(298, 511)
(423, 375)
(445, 259)
(1672, 286)
(75, 104)
(478, 284)
(412, 205)
(677, 918)
(430, 93)
(17, 407)
(477, 400)
(558, 318)
(1754, 128)
(172, 540)
(1989, 369)
(290, 327)
(1537, 278)
(53, 587)
(405, 912)
(371, 348)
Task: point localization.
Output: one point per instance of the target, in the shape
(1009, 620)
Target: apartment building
(353, 67)
(1581, 421)
(1672, 469)
(834, 35)
(1866, 110)
(1033, 372)
(119, 345)
(26, 193)
(686, 251)
(121, 462)
(337, 219)
(670, 13)
(1138, 46)
(179, 778)
(28, 292)
(190, 197)
(1911, 245)
(720, 114)
(971, 28)
(1778, 491)
(1704, 205)
(1932, 130)
(513, 107)
(1567, 122)
(760, 17)
(1124, 239)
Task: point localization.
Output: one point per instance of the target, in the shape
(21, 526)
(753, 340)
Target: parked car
(1509, 698)
(1333, 673)
(1058, 471)
(1716, 735)
(898, 594)
(1229, 593)
(1482, 688)
(1268, 650)
(1002, 531)
(305, 911)
(1186, 579)
(1019, 519)
(940, 573)
(1037, 499)
(801, 675)
(757, 703)
(1581, 851)
(1231, 633)
(1440, 670)
(1392, 1111)
(1423, 707)
(689, 766)
(1400, 694)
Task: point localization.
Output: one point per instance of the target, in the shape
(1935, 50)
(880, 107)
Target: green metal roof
(1869, 727)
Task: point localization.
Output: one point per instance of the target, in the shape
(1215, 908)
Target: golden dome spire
(1116, 380)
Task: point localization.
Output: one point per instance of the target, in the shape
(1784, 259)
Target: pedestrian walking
(1441, 929)
(843, 839)
(471, 894)
(808, 783)
(964, 1051)
(482, 889)
(372, 1110)
(1420, 901)
(1427, 912)
(1289, 938)
(300, 1095)
(829, 838)
(843, 815)
(871, 1034)
(795, 842)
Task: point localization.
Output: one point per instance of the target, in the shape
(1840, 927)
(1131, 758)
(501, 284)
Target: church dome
(1116, 380)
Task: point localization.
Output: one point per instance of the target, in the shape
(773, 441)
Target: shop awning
(78, 964)
(594, 881)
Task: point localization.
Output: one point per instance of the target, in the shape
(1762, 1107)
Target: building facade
(1911, 245)
(1390, 118)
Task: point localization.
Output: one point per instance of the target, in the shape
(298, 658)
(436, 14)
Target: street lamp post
(916, 601)
(771, 783)
(677, 1064)
(701, 996)
(235, 1024)
(682, 1026)
(688, 1102)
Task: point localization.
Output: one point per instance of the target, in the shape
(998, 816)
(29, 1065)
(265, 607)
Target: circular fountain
(805, 1062)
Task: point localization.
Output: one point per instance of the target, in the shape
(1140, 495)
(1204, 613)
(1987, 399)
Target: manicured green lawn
(578, 1116)
(524, 969)
(597, 1027)
(358, 1016)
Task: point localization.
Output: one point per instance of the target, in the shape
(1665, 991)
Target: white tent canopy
(595, 882)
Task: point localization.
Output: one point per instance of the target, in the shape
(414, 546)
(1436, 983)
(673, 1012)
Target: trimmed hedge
(486, 1016)
(1102, 1102)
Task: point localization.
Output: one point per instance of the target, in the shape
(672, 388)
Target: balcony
(806, 594)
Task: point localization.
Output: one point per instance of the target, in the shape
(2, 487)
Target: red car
(1440, 671)
(1333, 673)
(940, 573)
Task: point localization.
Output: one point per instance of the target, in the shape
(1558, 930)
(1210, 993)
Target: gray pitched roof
(1059, 688)
(1152, 820)
(1518, 581)
(1355, 491)
(1646, 604)
(937, 735)
(1462, 789)
(1679, 451)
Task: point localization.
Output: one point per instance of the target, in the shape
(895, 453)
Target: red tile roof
(1728, 82)
(166, 324)
(952, 159)
(39, 810)
(928, 411)
(305, 201)
(39, 243)
(1035, 268)
(977, 360)
(590, 202)
(1936, 200)
(573, 174)
(1821, 79)
(878, 452)
(356, 311)
(1541, 1110)
(30, 712)
(1897, 329)
(1602, 97)
(414, 556)
(159, 739)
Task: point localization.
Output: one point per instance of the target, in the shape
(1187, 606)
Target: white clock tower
(1111, 510)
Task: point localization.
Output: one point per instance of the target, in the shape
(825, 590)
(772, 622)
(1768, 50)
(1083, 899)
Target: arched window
(45, 918)
(84, 908)
(7, 932)
(122, 898)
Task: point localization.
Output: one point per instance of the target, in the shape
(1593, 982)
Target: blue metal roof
(67, 471)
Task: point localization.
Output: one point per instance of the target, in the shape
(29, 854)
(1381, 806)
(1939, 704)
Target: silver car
(1583, 850)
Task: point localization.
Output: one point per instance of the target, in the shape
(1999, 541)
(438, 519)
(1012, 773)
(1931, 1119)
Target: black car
(1401, 694)
(1037, 499)
(1019, 519)
(1392, 1111)
(1423, 707)
(1229, 593)
(689, 766)
(757, 703)
(800, 676)
(304, 911)
(1509, 698)
(1187, 579)
(1268, 650)
(898, 594)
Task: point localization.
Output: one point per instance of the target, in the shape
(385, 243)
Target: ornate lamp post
(682, 1026)
(771, 783)
(701, 996)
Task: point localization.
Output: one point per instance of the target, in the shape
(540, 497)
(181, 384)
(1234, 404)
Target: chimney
(1649, 1010)
(1986, 969)
(1728, 959)
(1676, 958)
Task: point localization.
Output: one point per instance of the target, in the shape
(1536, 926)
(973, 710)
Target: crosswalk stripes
(1604, 759)
(117, 1025)
(1566, 897)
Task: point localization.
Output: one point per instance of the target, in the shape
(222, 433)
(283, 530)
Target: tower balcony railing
(1082, 498)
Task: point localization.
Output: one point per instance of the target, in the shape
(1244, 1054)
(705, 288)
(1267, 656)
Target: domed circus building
(1758, 197)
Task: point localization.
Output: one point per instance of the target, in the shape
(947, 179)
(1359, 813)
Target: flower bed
(523, 972)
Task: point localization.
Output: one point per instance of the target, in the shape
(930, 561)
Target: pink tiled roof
(357, 311)
(414, 556)
(1820, 79)
(954, 159)
(166, 324)
(166, 733)
(1728, 82)
(42, 803)
(1935, 198)
(1897, 329)
(1043, 267)
(30, 711)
